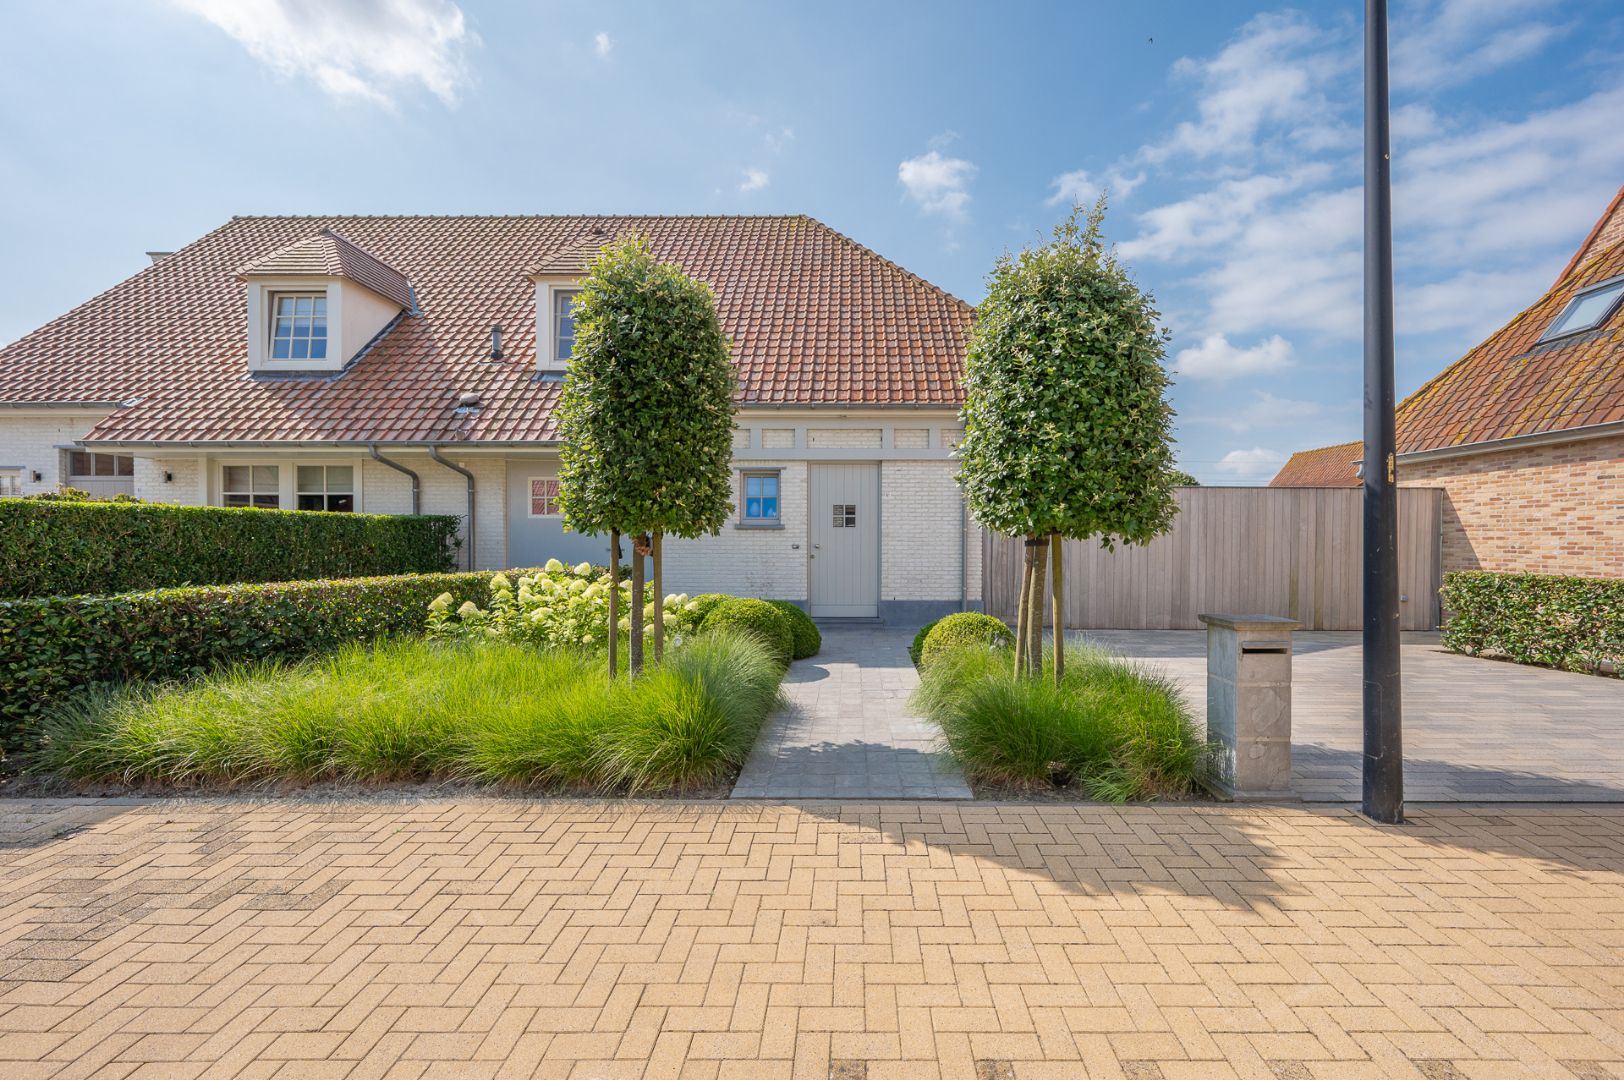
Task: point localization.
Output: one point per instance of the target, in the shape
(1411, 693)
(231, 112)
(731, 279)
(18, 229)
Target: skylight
(1587, 310)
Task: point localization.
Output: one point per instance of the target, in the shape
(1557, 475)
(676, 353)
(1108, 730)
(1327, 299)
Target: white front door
(844, 578)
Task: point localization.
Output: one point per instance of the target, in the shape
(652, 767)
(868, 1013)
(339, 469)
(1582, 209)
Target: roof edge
(1513, 442)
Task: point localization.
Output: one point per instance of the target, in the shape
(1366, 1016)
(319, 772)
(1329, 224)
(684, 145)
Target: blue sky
(937, 133)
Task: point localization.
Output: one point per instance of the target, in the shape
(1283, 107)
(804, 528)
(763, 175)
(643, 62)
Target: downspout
(434, 452)
(964, 554)
(417, 492)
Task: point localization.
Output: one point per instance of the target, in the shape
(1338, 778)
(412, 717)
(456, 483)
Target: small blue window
(761, 498)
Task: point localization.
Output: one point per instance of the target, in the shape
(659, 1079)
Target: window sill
(760, 526)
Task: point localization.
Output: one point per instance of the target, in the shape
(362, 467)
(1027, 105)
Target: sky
(941, 134)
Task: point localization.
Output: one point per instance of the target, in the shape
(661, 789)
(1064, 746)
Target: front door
(844, 578)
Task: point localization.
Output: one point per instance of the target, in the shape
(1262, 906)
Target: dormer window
(299, 326)
(1587, 310)
(564, 323)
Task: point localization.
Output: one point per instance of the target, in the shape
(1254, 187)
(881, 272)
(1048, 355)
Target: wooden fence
(1270, 551)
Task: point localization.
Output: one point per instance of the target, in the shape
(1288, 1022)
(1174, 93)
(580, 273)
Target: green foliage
(1117, 732)
(1572, 623)
(51, 647)
(1180, 478)
(758, 618)
(57, 548)
(705, 603)
(66, 493)
(917, 647)
(963, 629)
(808, 640)
(491, 711)
(557, 606)
(1066, 422)
(646, 417)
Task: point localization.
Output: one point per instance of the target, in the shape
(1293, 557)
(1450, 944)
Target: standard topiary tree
(963, 629)
(1067, 429)
(646, 417)
(808, 640)
(759, 618)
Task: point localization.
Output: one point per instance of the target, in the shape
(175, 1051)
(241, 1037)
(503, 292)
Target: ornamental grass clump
(483, 711)
(1106, 727)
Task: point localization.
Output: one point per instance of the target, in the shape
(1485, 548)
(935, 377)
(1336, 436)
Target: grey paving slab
(846, 731)
(1474, 730)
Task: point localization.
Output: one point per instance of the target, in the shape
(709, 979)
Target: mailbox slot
(1265, 647)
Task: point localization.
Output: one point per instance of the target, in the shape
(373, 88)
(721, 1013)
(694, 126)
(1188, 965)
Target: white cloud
(1265, 410)
(1080, 187)
(602, 44)
(777, 141)
(755, 180)
(940, 185)
(365, 49)
(1256, 465)
(1215, 358)
(1453, 41)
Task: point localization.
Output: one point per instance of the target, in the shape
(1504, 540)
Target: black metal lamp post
(1383, 714)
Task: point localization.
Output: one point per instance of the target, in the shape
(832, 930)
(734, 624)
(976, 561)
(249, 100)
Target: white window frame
(547, 316)
(530, 497)
(254, 491)
(273, 303)
(11, 482)
(94, 457)
(287, 478)
(327, 492)
(1553, 333)
(262, 321)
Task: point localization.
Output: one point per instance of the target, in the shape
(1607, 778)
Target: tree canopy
(1067, 428)
(646, 417)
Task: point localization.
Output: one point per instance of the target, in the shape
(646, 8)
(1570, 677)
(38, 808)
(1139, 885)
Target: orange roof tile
(814, 319)
(1328, 466)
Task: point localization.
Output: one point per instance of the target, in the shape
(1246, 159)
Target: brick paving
(846, 730)
(498, 938)
(1474, 730)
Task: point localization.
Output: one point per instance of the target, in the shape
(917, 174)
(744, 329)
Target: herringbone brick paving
(498, 938)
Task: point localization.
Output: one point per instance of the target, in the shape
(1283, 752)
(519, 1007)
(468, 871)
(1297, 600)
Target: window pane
(769, 509)
(267, 502)
(342, 504)
(309, 479)
(126, 466)
(752, 485)
(301, 349)
(236, 478)
(1586, 311)
(279, 349)
(769, 485)
(318, 348)
(318, 327)
(312, 502)
(236, 500)
(340, 478)
(265, 478)
(302, 305)
(284, 328)
(320, 306)
(79, 463)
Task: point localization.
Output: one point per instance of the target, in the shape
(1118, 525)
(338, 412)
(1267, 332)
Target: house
(401, 364)
(1525, 433)
(1328, 466)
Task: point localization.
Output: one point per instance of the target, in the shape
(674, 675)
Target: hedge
(1572, 623)
(963, 629)
(759, 618)
(51, 548)
(53, 646)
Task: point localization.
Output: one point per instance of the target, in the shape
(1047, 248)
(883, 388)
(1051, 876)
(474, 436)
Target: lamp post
(1383, 794)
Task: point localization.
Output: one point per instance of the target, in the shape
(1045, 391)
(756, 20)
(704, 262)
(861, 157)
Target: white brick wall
(185, 489)
(919, 542)
(31, 441)
(911, 438)
(777, 438)
(748, 562)
(843, 438)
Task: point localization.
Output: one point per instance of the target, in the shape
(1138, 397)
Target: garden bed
(464, 713)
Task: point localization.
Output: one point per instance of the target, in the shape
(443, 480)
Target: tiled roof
(1329, 466)
(328, 253)
(814, 318)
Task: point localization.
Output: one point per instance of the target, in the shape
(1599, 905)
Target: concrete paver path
(510, 938)
(846, 730)
(1473, 729)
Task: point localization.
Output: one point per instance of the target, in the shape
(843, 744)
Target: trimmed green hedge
(1572, 623)
(53, 646)
(770, 625)
(963, 629)
(50, 548)
(803, 631)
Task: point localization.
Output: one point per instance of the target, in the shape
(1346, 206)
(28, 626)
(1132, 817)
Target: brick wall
(184, 488)
(843, 438)
(1556, 509)
(31, 441)
(748, 562)
(919, 542)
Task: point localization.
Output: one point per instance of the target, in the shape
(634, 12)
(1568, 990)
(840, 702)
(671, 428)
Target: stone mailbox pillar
(1249, 703)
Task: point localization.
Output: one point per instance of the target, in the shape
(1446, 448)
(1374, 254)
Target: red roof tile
(328, 253)
(814, 319)
(1329, 466)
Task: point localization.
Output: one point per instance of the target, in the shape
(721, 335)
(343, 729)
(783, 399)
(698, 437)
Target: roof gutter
(1516, 442)
(417, 486)
(434, 452)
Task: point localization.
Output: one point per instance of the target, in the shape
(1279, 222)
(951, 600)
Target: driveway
(1474, 730)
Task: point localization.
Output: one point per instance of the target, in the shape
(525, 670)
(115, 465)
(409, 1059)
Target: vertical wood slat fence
(1271, 551)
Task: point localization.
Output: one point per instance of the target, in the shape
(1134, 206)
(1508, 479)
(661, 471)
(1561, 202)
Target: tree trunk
(634, 648)
(1059, 609)
(659, 601)
(614, 603)
(1021, 605)
(1034, 616)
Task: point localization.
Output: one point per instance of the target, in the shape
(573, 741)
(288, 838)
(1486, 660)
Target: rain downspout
(417, 492)
(964, 555)
(434, 452)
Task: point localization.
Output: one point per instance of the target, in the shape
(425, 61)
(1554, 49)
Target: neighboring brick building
(353, 363)
(1525, 433)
